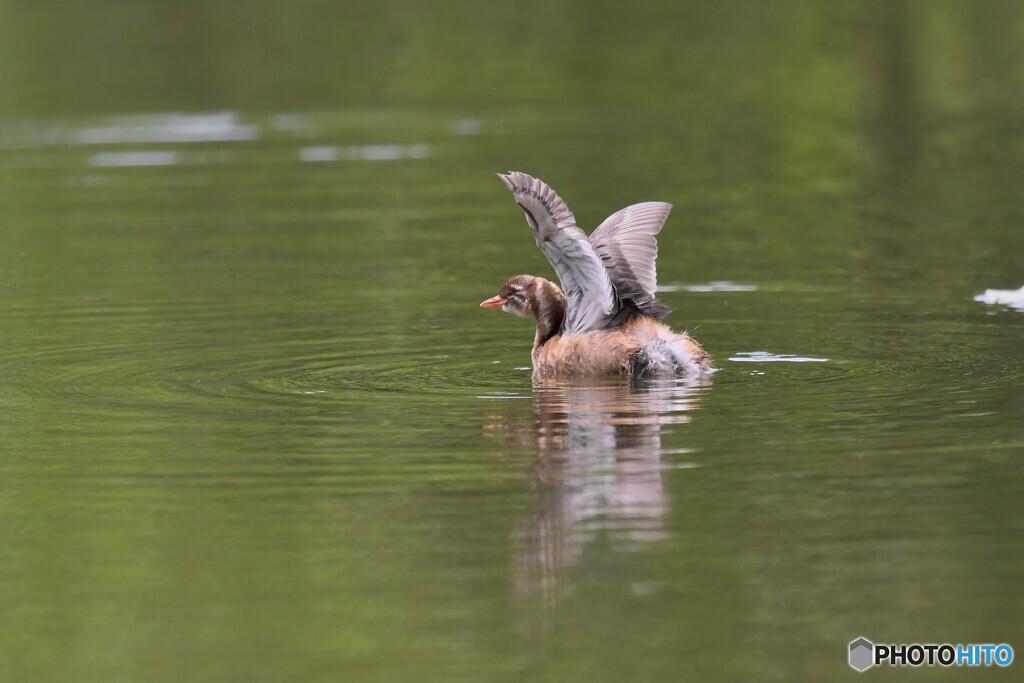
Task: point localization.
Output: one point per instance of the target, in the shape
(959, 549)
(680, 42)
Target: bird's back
(642, 346)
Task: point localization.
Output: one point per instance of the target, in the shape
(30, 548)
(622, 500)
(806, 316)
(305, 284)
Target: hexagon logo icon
(862, 654)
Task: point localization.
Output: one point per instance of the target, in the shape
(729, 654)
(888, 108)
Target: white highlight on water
(765, 357)
(1013, 298)
(713, 286)
(134, 158)
(173, 128)
(467, 127)
(321, 153)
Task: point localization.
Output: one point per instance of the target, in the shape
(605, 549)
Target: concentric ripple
(131, 360)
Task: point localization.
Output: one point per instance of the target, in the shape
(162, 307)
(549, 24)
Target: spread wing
(626, 243)
(589, 295)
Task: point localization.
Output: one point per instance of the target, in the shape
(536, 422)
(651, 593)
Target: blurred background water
(254, 427)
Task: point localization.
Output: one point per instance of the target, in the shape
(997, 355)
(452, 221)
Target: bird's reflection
(599, 471)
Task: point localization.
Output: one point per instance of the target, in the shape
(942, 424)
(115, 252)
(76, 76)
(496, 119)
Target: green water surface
(254, 426)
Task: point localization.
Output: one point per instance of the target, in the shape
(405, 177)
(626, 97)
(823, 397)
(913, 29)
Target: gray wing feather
(590, 297)
(626, 242)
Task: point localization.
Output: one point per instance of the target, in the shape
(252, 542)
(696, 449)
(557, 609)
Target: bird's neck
(548, 307)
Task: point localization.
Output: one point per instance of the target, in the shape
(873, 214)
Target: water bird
(604, 319)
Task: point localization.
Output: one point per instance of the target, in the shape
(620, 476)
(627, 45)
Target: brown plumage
(641, 346)
(604, 320)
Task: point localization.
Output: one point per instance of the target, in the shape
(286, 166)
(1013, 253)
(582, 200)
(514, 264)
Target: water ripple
(766, 357)
(300, 366)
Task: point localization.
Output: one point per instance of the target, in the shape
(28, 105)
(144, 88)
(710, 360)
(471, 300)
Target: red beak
(494, 302)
